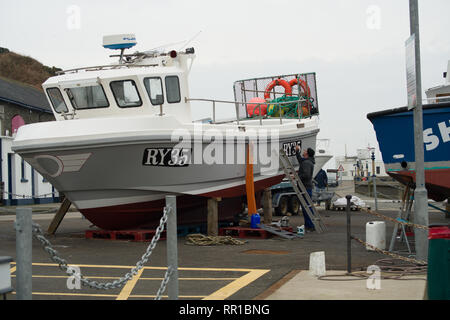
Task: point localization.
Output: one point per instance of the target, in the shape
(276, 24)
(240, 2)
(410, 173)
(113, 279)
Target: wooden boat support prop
(59, 216)
(213, 217)
(249, 183)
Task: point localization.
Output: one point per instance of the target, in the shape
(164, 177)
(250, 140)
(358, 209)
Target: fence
(25, 229)
(303, 85)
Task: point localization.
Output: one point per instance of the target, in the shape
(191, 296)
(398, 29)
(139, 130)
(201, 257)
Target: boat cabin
(156, 83)
(441, 93)
(140, 84)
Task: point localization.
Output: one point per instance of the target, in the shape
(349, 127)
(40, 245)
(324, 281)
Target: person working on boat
(321, 182)
(321, 179)
(305, 173)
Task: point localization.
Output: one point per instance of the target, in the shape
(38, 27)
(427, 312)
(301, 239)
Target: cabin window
(154, 90)
(126, 93)
(173, 89)
(57, 100)
(89, 97)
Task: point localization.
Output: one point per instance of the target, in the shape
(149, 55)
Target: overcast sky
(356, 47)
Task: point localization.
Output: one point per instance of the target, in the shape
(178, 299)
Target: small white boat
(124, 137)
(323, 154)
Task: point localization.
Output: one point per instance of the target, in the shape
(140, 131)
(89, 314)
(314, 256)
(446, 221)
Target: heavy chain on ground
(202, 240)
(63, 265)
(393, 255)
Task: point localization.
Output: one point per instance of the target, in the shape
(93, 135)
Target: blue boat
(395, 134)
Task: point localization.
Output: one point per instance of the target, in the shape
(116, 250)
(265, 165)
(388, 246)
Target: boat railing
(257, 107)
(270, 88)
(436, 99)
(105, 67)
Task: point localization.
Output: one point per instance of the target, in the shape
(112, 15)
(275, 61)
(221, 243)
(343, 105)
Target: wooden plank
(279, 232)
(59, 216)
(213, 217)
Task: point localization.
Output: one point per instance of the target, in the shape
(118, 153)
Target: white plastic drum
(376, 235)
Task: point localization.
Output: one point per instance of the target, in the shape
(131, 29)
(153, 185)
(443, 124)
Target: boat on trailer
(123, 138)
(395, 134)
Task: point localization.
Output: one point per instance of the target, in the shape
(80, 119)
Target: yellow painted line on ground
(216, 269)
(65, 277)
(221, 294)
(71, 294)
(85, 265)
(236, 285)
(126, 291)
(115, 278)
(146, 268)
(154, 296)
(193, 279)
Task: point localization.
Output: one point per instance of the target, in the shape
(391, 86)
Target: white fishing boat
(323, 154)
(124, 138)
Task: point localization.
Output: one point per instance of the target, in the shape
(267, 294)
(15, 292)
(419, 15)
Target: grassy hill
(24, 69)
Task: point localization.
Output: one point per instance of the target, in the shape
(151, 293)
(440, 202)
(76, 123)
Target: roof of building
(24, 95)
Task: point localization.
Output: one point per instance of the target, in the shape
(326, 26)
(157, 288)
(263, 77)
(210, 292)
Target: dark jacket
(321, 179)
(305, 172)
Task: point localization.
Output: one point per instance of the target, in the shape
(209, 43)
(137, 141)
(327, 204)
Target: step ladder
(301, 192)
(279, 232)
(403, 216)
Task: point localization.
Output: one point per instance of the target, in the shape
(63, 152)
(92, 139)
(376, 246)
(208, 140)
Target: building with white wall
(21, 183)
(359, 166)
(21, 104)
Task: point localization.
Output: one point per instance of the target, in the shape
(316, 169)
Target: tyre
(294, 205)
(283, 206)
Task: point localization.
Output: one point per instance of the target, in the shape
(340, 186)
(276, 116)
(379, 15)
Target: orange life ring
(278, 82)
(303, 84)
(306, 108)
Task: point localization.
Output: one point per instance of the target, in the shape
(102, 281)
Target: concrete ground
(337, 286)
(258, 269)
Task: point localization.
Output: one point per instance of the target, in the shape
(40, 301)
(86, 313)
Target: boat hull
(436, 182)
(321, 160)
(190, 209)
(395, 134)
(122, 185)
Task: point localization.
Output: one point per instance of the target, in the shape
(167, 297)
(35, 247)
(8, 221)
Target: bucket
(317, 264)
(376, 235)
(255, 219)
